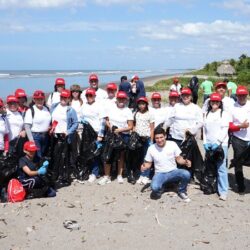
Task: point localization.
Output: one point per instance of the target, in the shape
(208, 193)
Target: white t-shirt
(100, 95)
(176, 88)
(160, 114)
(119, 117)
(41, 120)
(59, 114)
(184, 117)
(239, 115)
(228, 104)
(3, 131)
(15, 123)
(142, 123)
(53, 99)
(93, 114)
(163, 158)
(216, 127)
(76, 105)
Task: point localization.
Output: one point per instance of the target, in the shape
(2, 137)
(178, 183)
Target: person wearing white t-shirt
(176, 86)
(37, 122)
(121, 118)
(228, 103)
(241, 134)
(94, 84)
(55, 96)
(185, 116)
(92, 113)
(165, 155)
(215, 133)
(4, 140)
(109, 102)
(65, 119)
(15, 122)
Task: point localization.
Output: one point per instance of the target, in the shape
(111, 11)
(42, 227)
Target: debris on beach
(71, 225)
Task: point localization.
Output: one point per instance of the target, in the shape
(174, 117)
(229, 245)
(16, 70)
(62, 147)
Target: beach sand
(119, 216)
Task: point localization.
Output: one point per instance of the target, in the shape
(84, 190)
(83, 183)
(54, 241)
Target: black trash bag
(208, 184)
(32, 193)
(190, 150)
(134, 141)
(243, 159)
(8, 168)
(88, 151)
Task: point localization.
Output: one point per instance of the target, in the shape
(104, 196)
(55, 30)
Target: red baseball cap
(65, 93)
(1, 102)
(142, 99)
(60, 81)
(186, 91)
(30, 146)
(219, 84)
(135, 77)
(11, 98)
(90, 91)
(173, 94)
(39, 94)
(111, 86)
(215, 97)
(93, 77)
(242, 90)
(156, 96)
(121, 95)
(20, 93)
(176, 79)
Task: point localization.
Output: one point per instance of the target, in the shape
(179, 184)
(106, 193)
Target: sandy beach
(119, 216)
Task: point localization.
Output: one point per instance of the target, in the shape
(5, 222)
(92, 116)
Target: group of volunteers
(131, 136)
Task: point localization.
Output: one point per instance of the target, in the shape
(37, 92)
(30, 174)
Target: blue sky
(121, 34)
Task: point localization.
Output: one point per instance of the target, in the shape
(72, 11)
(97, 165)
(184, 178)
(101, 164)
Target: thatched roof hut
(226, 69)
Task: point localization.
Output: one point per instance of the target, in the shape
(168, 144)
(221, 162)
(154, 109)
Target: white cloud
(4, 4)
(239, 6)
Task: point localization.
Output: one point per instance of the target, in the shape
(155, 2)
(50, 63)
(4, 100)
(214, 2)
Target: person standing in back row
(55, 96)
(207, 88)
(194, 86)
(176, 86)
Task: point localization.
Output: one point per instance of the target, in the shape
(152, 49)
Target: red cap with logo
(1, 102)
(142, 99)
(215, 97)
(39, 94)
(242, 90)
(121, 95)
(156, 96)
(111, 86)
(30, 146)
(65, 93)
(20, 93)
(11, 98)
(186, 91)
(90, 91)
(173, 94)
(93, 77)
(60, 81)
(220, 84)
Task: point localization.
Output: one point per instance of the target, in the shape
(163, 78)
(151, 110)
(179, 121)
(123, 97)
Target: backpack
(33, 110)
(15, 191)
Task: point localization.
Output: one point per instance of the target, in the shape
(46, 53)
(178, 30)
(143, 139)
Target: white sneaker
(120, 179)
(184, 197)
(104, 180)
(92, 178)
(139, 181)
(223, 197)
(145, 180)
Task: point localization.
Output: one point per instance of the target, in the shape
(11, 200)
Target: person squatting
(98, 136)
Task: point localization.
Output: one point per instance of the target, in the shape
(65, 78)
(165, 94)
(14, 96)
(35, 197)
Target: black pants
(239, 146)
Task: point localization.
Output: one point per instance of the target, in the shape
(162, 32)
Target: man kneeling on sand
(166, 155)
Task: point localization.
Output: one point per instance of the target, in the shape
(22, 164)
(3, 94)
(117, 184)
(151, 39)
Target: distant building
(226, 69)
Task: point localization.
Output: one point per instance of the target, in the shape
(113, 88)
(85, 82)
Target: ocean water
(31, 80)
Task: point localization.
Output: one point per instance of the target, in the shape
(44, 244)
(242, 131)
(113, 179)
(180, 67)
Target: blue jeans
(177, 175)
(222, 181)
(41, 140)
(95, 167)
(145, 173)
